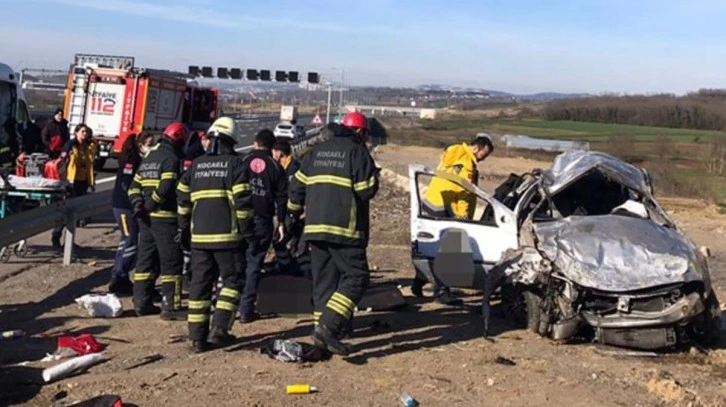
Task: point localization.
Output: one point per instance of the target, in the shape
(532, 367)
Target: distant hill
(544, 96)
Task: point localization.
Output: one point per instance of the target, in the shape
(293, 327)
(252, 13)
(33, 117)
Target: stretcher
(18, 194)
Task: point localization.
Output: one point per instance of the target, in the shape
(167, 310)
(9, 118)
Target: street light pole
(327, 114)
(342, 83)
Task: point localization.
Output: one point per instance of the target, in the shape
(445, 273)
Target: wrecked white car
(580, 250)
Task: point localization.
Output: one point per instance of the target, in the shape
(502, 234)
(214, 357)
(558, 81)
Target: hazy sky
(511, 45)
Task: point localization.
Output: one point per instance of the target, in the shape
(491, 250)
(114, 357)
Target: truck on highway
(116, 99)
(288, 126)
(12, 102)
(288, 114)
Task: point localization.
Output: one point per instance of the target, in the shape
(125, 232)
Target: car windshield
(284, 127)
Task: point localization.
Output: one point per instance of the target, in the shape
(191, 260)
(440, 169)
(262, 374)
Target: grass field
(586, 131)
(672, 155)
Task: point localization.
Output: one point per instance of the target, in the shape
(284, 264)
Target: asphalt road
(248, 129)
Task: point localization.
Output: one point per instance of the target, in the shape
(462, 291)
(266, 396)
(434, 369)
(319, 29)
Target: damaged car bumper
(679, 312)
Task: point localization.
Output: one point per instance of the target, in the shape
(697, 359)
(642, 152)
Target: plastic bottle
(13, 334)
(408, 401)
(301, 389)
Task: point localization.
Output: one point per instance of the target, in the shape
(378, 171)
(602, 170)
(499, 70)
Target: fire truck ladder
(77, 109)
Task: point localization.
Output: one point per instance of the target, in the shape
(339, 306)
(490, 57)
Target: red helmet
(355, 119)
(177, 132)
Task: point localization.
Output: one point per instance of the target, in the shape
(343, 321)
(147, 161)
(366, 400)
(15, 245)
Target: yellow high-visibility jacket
(81, 158)
(446, 198)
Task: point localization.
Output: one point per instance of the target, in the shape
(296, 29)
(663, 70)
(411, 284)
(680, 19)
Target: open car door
(482, 239)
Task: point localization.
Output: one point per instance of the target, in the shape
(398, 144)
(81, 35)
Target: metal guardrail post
(70, 239)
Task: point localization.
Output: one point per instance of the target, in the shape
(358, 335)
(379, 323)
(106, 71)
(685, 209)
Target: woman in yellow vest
(79, 155)
(444, 199)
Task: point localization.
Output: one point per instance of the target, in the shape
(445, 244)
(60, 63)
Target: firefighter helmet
(177, 132)
(356, 120)
(225, 129)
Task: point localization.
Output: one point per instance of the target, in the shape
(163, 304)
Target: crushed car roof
(570, 166)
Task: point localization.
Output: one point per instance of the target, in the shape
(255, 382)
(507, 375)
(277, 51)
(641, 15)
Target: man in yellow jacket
(445, 199)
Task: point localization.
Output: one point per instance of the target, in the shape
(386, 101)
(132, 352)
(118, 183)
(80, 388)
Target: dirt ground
(436, 354)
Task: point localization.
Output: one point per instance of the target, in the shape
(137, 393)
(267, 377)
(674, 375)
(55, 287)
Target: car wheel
(707, 330)
(522, 305)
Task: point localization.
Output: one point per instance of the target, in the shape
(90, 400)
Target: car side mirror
(705, 251)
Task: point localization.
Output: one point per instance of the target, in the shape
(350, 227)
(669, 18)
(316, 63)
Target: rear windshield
(284, 127)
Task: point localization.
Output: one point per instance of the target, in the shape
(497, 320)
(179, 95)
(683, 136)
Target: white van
(12, 100)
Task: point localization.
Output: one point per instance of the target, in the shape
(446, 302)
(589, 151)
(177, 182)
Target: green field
(572, 130)
(672, 155)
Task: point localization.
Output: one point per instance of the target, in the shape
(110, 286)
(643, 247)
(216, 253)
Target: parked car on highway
(580, 250)
(289, 130)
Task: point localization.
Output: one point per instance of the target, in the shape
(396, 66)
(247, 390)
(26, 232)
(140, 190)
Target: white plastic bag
(104, 306)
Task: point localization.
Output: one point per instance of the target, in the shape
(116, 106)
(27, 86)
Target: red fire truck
(116, 99)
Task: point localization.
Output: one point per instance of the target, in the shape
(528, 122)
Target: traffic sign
(317, 120)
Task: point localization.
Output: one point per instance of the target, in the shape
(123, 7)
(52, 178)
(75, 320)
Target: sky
(519, 46)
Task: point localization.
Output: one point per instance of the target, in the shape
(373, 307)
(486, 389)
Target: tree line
(703, 110)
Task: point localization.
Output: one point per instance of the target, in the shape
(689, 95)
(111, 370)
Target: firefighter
(444, 199)
(269, 199)
(214, 195)
(333, 187)
(153, 198)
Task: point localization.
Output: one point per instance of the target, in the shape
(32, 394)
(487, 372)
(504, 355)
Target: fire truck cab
(116, 99)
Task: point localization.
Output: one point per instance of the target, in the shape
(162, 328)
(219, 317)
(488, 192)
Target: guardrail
(27, 224)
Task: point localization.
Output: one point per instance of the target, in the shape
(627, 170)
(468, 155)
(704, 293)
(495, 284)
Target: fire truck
(116, 99)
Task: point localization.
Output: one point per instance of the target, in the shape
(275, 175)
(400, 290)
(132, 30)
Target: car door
(490, 233)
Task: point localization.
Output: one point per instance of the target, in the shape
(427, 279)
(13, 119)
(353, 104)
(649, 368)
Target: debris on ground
(104, 306)
(504, 361)
(69, 346)
(408, 401)
(288, 350)
(14, 334)
(72, 366)
(301, 389)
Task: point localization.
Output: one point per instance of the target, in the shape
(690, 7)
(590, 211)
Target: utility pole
(330, 94)
(342, 83)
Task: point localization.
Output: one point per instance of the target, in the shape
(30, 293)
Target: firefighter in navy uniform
(333, 188)
(215, 210)
(269, 199)
(153, 198)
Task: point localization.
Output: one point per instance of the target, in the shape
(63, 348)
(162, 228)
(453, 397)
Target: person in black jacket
(215, 210)
(129, 161)
(56, 134)
(333, 188)
(153, 199)
(269, 197)
(285, 258)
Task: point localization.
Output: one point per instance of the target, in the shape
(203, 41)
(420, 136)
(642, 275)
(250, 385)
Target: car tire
(708, 330)
(522, 305)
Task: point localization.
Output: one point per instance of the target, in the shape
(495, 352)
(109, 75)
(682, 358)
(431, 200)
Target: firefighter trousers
(206, 267)
(158, 253)
(340, 278)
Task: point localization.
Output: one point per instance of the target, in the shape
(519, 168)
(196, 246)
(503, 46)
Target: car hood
(571, 166)
(617, 253)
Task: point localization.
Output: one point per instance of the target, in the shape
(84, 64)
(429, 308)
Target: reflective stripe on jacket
(155, 181)
(333, 186)
(215, 202)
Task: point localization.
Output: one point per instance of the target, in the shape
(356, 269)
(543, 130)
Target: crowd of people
(192, 193)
